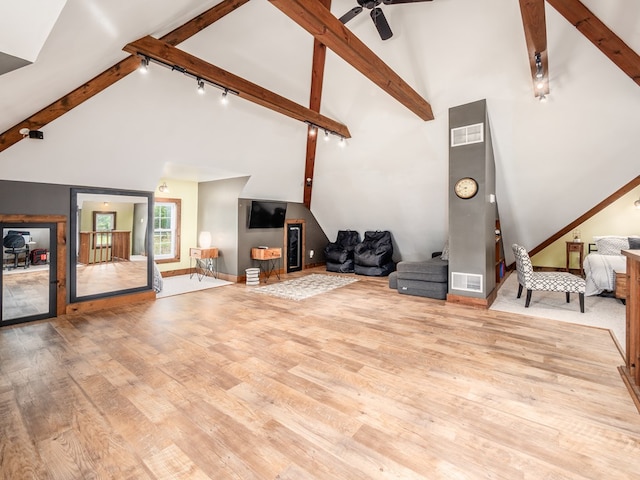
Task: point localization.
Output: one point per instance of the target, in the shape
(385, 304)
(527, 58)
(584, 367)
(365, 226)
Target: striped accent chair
(545, 281)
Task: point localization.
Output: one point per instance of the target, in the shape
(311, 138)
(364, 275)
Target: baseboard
(110, 302)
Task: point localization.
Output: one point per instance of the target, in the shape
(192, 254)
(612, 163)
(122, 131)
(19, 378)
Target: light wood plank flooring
(357, 383)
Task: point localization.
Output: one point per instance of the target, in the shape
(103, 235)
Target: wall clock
(466, 188)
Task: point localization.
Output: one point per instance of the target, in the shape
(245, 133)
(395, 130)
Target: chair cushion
(557, 282)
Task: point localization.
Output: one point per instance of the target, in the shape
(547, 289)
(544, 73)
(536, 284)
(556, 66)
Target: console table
(206, 261)
(268, 260)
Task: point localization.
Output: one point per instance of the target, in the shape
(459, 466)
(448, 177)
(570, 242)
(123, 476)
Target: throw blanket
(599, 270)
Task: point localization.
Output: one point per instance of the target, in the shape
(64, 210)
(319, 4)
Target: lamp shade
(204, 240)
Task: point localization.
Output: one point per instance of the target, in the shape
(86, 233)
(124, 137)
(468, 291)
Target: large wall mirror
(110, 246)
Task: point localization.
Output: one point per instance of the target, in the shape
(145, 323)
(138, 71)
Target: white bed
(599, 272)
(600, 267)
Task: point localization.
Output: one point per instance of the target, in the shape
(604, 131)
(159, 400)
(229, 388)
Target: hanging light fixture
(164, 188)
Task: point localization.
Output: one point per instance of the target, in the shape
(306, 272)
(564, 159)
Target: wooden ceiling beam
(535, 33)
(171, 56)
(327, 29)
(600, 35)
(315, 101)
(112, 75)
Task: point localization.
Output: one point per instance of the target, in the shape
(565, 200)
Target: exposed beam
(170, 55)
(535, 33)
(315, 100)
(600, 35)
(327, 29)
(112, 75)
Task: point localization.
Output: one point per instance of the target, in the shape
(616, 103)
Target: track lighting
(200, 86)
(312, 130)
(326, 135)
(542, 97)
(225, 98)
(164, 188)
(539, 70)
(342, 143)
(637, 203)
(144, 64)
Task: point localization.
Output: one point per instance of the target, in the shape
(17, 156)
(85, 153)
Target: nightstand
(268, 260)
(577, 247)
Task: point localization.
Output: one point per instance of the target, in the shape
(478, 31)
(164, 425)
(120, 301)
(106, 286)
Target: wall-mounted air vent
(470, 282)
(467, 135)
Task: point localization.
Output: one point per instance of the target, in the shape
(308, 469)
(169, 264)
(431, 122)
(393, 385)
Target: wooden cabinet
(621, 285)
(631, 370)
(203, 252)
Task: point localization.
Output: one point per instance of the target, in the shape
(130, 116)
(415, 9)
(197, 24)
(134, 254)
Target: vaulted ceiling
(554, 160)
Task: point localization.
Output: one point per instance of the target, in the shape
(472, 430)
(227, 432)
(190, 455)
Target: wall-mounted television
(267, 214)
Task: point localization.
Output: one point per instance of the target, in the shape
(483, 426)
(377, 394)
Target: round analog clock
(466, 187)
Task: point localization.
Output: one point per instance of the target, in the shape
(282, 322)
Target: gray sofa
(427, 278)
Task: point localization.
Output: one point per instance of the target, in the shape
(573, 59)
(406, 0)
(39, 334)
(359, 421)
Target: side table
(268, 260)
(206, 261)
(577, 247)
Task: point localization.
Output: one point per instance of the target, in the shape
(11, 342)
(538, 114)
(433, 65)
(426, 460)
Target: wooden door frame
(61, 250)
(285, 242)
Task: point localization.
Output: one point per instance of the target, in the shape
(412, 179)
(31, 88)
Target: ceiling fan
(377, 15)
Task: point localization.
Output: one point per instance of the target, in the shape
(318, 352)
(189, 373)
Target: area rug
(183, 284)
(305, 287)
(599, 311)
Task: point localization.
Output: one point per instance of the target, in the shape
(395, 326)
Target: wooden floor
(357, 383)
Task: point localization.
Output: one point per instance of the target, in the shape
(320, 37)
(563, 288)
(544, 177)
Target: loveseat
(426, 278)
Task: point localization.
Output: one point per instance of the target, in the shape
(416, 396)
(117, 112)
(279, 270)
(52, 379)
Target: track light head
(164, 188)
(200, 86)
(326, 135)
(637, 203)
(224, 99)
(144, 64)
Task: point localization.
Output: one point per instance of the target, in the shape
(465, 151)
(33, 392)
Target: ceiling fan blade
(392, 2)
(350, 14)
(381, 23)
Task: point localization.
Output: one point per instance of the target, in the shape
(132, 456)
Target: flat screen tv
(267, 214)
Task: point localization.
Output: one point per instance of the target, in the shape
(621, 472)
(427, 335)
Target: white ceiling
(554, 160)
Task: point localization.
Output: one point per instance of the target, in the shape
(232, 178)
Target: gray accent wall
(217, 213)
(472, 221)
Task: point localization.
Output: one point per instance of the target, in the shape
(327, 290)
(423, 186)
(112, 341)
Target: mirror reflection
(111, 243)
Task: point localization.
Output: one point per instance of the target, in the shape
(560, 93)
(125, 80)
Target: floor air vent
(467, 135)
(470, 282)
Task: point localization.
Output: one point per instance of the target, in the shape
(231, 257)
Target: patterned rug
(305, 287)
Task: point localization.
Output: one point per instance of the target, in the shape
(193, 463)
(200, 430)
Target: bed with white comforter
(600, 268)
(599, 272)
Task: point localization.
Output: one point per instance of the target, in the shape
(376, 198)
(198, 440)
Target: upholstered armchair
(545, 281)
(373, 255)
(339, 254)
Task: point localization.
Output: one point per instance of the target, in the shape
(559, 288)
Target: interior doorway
(33, 283)
(28, 279)
(294, 245)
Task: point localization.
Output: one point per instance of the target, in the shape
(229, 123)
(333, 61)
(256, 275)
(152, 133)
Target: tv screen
(266, 214)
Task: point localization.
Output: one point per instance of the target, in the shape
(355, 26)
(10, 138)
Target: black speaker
(36, 134)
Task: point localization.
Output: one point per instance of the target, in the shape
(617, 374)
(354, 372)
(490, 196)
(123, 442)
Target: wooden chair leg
(519, 290)
(526, 303)
(581, 295)
(568, 297)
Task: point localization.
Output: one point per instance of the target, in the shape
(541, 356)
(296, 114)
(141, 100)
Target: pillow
(445, 251)
(634, 243)
(611, 244)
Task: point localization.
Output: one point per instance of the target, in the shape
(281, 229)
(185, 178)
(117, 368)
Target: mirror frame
(73, 242)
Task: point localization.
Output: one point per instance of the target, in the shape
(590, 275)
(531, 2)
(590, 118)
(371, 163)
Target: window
(103, 221)
(166, 230)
